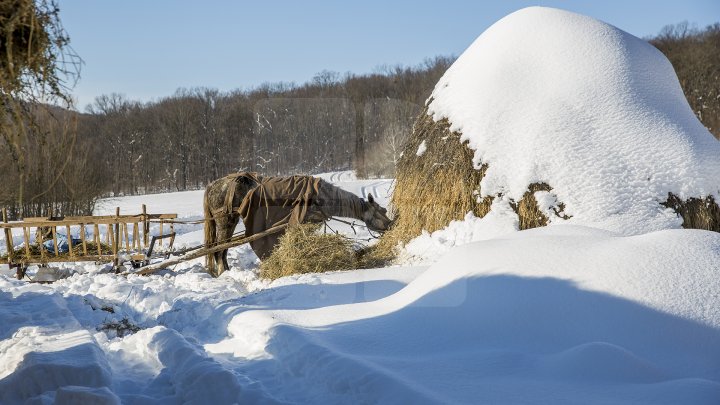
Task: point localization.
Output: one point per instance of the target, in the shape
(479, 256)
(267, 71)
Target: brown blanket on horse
(280, 200)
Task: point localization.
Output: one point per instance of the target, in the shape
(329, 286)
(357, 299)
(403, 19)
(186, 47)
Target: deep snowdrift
(546, 95)
(555, 315)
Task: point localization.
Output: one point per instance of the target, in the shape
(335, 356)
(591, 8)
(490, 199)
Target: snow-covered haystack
(562, 118)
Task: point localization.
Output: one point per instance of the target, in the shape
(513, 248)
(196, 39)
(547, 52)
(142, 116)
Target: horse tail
(210, 233)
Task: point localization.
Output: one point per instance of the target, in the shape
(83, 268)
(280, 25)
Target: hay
(302, 249)
(697, 213)
(528, 212)
(442, 185)
(435, 188)
(35, 251)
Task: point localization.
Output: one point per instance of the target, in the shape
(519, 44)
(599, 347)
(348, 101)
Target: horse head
(375, 216)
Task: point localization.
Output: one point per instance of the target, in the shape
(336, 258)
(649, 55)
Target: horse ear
(370, 199)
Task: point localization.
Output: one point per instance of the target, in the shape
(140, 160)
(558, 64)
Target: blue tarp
(63, 246)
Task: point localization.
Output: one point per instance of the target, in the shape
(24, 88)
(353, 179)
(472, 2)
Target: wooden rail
(117, 237)
(240, 240)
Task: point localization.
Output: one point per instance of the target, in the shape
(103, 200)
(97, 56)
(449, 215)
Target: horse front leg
(224, 236)
(220, 225)
(230, 232)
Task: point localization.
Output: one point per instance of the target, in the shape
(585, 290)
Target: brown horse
(263, 202)
(222, 197)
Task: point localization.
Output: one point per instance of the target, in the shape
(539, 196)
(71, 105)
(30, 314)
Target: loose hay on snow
(303, 249)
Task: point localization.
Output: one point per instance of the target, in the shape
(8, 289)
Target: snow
(559, 315)
(562, 314)
(500, 221)
(583, 311)
(421, 149)
(546, 95)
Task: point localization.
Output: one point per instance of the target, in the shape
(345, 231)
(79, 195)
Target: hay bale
(697, 213)
(303, 249)
(538, 128)
(437, 186)
(441, 185)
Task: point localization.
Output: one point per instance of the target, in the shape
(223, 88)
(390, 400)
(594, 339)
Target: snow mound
(563, 314)
(546, 95)
(428, 247)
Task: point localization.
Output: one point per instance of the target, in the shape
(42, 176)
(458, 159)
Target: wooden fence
(123, 233)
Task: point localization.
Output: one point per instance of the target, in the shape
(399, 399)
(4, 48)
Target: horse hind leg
(210, 241)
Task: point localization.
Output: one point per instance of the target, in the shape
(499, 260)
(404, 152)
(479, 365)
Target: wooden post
(54, 238)
(116, 242)
(8, 239)
(39, 231)
(127, 236)
(161, 232)
(69, 239)
(96, 228)
(146, 227)
(136, 236)
(83, 236)
(110, 238)
(26, 239)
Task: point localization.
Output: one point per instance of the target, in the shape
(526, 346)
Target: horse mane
(334, 201)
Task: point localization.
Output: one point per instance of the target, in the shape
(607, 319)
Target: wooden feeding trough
(124, 234)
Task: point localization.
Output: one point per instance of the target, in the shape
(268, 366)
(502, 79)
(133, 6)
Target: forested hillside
(197, 135)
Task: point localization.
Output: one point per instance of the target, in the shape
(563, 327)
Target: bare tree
(36, 69)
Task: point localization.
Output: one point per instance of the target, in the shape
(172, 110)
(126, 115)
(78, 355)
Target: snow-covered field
(564, 314)
(608, 308)
(61, 340)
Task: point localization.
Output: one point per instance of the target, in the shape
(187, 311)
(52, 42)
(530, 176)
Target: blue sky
(146, 49)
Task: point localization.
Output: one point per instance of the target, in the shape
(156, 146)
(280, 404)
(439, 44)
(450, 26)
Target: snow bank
(546, 95)
(44, 349)
(428, 247)
(562, 314)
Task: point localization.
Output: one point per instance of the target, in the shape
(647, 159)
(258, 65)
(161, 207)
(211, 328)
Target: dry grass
(529, 215)
(697, 213)
(303, 249)
(435, 188)
(442, 185)
(528, 212)
(35, 251)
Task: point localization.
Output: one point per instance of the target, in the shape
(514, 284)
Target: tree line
(695, 55)
(120, 146)
(196, 135)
